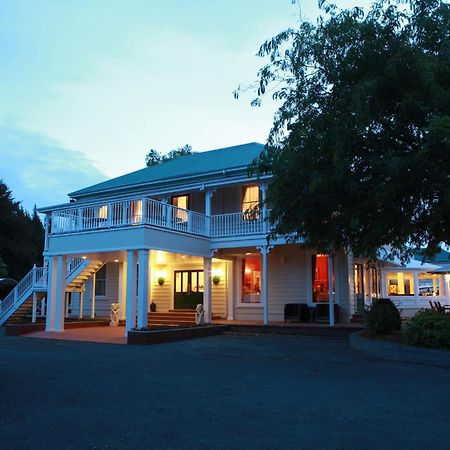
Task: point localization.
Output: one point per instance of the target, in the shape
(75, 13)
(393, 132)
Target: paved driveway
(227, 392)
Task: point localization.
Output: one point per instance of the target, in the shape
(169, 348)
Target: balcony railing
(145, 211)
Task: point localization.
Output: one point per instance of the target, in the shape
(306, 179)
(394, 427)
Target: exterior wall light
(216, 276)
(161, 277)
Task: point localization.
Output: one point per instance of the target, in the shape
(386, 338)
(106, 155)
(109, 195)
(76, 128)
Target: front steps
(172, 317)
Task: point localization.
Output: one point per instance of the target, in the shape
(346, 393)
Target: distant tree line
(155, 157)
(21, 236)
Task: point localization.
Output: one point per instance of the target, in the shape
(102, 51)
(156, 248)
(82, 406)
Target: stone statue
(114, 315)
(200, 315)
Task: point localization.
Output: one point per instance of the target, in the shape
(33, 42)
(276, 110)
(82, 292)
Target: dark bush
(382, 317)
(429, 329)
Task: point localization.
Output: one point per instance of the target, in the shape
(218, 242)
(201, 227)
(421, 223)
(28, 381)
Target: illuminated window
(374, 282)
(429, 285)
(251, 280)
(320, 286)
(136, 211)
(250, 198)
(181, 201)
(400, 283)
(103, 212)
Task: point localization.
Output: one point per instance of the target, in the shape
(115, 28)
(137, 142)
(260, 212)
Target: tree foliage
(154, 157)
(21, 236)
(360, 146)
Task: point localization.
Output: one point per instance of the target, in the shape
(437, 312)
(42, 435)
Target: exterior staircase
(80, 274)
(17, 305)
(171, 318)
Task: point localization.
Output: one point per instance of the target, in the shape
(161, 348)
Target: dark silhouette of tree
(360, 146)
(21, 236)
(154, 157)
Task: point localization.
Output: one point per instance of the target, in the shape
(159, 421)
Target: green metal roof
(441, 257)
(191, 166)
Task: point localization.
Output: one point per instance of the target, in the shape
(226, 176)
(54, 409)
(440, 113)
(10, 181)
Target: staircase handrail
(36, 277)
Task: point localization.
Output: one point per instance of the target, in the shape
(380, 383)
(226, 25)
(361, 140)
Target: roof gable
(191, 166)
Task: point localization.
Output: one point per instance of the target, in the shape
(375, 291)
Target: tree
(21, 235)
(360, 146)
(154, 157)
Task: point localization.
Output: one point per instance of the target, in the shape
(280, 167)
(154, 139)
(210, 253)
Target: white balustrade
(145, 211)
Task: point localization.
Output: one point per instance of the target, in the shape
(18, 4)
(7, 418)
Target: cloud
(41, 171)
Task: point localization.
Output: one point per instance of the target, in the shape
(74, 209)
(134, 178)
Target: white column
(94, 276)
(265, 249)
(51, 294)
(416, 288)
(207, 294)
(230, 289)
(143, 280)
(447, 287)
(33, 313)
(122, 289)
(131, 291)
(263, 190)
(208, 209)
(60, 294)
(80, 312)
(330, 288)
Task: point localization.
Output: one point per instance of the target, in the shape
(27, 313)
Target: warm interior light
(248, 270)
(116, 260)
(447, 277)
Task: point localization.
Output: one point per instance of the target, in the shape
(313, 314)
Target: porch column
(66, 305)
(33, 313)
(143, 291)
(122, 289)
(265, 249)
(416, 288)
(207, 294)
(330, 288)
(447, 287)
(131, 291)
(51, 294)
(208, 209)
(94, 276)
(263, 190)
(60, 293)
(80, 312)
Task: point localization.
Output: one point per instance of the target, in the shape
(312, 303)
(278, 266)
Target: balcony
(145, 211)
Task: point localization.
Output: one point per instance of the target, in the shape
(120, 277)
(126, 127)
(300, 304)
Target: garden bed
(170, 334)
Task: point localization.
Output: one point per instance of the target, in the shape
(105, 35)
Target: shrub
(382, 317)
(429, 329)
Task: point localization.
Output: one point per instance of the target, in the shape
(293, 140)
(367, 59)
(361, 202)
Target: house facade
(190, 231)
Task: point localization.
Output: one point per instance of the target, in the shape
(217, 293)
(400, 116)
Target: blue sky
(88, 87)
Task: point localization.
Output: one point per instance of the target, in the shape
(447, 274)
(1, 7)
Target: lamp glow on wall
(161, 277)
(216, 276)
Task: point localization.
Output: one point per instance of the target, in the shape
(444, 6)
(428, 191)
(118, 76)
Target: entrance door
(188, 289)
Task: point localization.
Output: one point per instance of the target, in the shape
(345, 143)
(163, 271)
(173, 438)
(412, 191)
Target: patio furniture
(297, 312)
(323, 312)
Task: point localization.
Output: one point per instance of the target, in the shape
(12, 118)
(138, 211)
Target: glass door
(189, 286)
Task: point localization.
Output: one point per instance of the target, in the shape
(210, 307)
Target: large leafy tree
(360, 147)
(21, 236)
(154, 157)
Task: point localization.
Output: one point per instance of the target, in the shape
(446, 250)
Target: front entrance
(189, 286)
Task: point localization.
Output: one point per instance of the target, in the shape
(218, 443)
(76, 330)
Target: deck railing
(147, 211)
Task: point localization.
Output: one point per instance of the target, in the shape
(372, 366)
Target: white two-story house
(177, 234)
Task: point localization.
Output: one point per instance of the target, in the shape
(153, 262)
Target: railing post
(80, 219)
(33, 313)
(33, 276)
(189, 221)
(144, 210)
(169, 215)
(108, 215)
(16, 295)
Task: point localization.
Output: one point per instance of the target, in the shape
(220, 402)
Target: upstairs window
(250, 202)
(181, 201)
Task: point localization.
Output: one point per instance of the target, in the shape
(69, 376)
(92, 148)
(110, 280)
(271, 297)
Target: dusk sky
(88, 87)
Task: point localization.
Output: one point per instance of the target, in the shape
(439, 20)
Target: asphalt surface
(226, 392)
